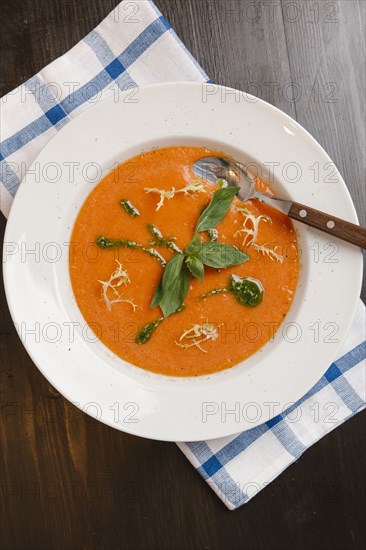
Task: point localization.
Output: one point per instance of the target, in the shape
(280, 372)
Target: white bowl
(38, 285)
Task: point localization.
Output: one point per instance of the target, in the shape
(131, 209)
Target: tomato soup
(140, 217)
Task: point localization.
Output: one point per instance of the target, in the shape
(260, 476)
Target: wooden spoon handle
(347, 231)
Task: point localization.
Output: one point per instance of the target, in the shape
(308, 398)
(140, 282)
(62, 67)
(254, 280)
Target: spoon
(234, 173)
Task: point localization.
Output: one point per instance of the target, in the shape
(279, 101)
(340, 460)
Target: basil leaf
(172, 288)
(194, 246)
(172, 271)
(175, 294)
(196, 267)
(220, 255)
(217, 209)
(158, 294)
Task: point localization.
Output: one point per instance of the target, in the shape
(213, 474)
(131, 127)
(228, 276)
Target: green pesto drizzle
(129, 208)
(213, 293)
(159, 240)
(113, 244)
(146, 332)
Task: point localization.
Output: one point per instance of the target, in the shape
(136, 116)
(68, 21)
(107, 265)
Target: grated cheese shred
(193, 187)
(270, 252)
(198, 335)
(250, 226)
(118, 278)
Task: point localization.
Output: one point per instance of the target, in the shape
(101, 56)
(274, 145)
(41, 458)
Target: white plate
(38, 284)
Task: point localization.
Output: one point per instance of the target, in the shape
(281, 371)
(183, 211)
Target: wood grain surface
(69, 482)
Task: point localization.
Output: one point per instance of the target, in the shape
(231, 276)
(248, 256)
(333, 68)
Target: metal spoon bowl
(235, 174)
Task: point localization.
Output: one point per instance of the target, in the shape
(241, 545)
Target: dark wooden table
(69, 482)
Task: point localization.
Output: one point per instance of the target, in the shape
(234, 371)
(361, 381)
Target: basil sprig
(196, 267)
(174, 284)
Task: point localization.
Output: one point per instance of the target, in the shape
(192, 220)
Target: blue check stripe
(344, 389)
(24, 136)
(240, 443)
(41, 92)
(213, 470)
(47, 101)
(201, 451)
(288, 439)
(211, 464)
(352, 358)
(148, 36)
(107, 59)
(56, 115)
(229, 488)
(336, 370)
(100, 47)
(86, 93)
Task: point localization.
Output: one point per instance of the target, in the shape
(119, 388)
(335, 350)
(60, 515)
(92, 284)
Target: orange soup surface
(209, 334)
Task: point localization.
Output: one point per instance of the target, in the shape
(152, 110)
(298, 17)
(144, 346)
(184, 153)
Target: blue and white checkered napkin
(135, 46)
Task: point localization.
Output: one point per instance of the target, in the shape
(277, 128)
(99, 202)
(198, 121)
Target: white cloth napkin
(135, 46)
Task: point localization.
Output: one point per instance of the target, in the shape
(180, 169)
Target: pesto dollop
(246, 290)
